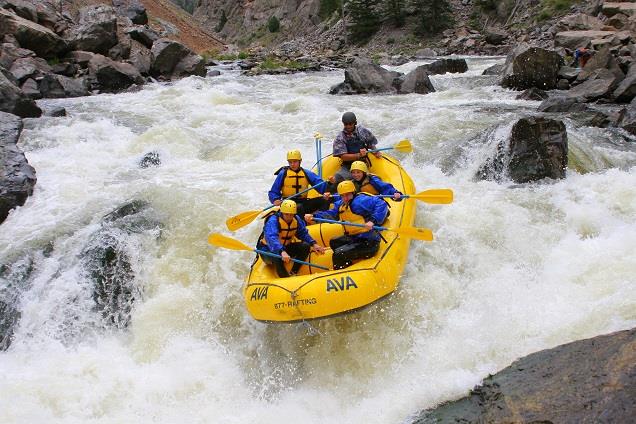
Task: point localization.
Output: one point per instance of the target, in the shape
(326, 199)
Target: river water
(513, 268)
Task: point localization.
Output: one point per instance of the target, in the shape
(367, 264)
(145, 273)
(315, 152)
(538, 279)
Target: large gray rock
(575, 39)
(9, 53)
(133, 10)
(32, 36)
(627, 118)
(21, 8)
(442, 66)
(29, 67)
(537, 149)
(140, 57)
(495, 36)
(142, 34)
(626, 90)
(599, 84)
(113, 76)
(166, 54)
(416, 81)
(364, 76)
(602, 59)
(97, 30)
(528, 67)
(17, 177)
(54, 86)
(587, 381)
(612, 8)
(13, 100)
(562, 104)
(578, 22)
(109, 263)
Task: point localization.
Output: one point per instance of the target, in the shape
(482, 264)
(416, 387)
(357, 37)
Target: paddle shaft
(353, 224)
(297, 194)
(274, 255)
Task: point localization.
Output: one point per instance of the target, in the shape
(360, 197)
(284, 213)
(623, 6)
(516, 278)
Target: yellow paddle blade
(413, 232)
(403, 146)
(440, 196)
(235, 222)
(216, 239)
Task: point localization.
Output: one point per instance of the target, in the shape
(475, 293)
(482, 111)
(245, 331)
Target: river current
(513, 268)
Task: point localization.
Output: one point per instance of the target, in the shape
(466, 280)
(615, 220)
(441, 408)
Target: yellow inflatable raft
(315, 293)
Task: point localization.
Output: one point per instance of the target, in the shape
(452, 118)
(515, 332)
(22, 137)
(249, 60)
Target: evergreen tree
(273, 24)
(363, 19)
(434, 15)
(394, 11)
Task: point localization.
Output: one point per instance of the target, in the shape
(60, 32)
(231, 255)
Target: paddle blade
(216, 239)
(415, 233)
(403, 146)
(441, 196)
(235, 222)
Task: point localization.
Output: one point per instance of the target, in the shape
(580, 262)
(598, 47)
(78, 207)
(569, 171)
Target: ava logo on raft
(340, 284)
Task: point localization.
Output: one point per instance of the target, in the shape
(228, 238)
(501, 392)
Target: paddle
(412, 232)
(233, 223)
(440, 196)
(220, 240)
(318, 140)
(401, 146)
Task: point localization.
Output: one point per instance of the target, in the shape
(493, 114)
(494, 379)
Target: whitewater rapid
(513, 268)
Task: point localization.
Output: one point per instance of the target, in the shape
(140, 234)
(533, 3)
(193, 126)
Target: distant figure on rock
(351, 144)
(581, 56)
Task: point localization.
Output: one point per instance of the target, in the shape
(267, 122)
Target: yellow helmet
(346, 187)
(360, 166)
(294, 155)
(288, 206)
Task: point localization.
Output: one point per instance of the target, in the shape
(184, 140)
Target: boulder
(44, 42)
(495, 36)
(562, 104)
(425, 53)
(586, 381)
(603, 59)
(29, 67)
(532, 94)
(537, 149)
(31, 90)
(528, 67)
(612, 8)
(416, 81)
(626, 90)
(97, 30)
(494, 69)
(578, 22)
(364, 76)
(600, 84)
(22, 9)
(108, 262)
(17, 176)
(575, 39)
(113, 76)
(166, 54)
(133, 10)
(627, 118)
(443, 66)
(54, 86)
(13, 100)
(144, 35)
(140, 57)
(9, 53)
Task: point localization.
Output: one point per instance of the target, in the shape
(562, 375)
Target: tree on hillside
(363, 19)
(434, 15)
(394, 11)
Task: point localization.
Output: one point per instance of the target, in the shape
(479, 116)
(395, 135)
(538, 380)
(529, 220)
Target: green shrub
(273, 24)
(243, 55)
(327, 7)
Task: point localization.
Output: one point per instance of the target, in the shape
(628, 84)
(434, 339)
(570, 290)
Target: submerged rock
(110, 260)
